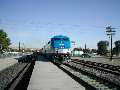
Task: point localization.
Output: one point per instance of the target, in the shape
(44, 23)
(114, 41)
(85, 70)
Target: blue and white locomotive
(58, 48)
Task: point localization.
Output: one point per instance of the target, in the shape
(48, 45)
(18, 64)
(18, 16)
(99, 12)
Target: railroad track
(107, 72)
(20, 82)
(92, 77)
(105, 67)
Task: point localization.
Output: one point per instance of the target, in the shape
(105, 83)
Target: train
(58, 49)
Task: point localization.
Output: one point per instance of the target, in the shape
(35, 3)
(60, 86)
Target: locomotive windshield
(60, 39)
(65, 39)
(56, 39)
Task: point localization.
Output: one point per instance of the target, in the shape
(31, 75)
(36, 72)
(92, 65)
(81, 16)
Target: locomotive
(58, 48)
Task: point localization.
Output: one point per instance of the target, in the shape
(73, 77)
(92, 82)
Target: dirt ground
(115, 61)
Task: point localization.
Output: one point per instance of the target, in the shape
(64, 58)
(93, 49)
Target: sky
(34, 22)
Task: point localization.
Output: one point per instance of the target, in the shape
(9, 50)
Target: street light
(110, 33)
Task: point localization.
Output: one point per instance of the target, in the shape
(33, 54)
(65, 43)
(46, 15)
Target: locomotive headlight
(61, 47)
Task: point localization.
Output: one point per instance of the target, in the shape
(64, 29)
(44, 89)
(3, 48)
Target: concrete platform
(47, 76)
(6, 62)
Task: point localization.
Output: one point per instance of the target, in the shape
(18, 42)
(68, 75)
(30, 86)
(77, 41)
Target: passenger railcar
(58, 48)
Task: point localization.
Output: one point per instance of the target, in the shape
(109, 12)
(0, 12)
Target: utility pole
(85, 49)
(19, 46)
(85, 46)
(0, 48)
(110, 33)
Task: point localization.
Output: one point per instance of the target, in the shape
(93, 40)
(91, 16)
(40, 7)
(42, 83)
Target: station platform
(47, 76)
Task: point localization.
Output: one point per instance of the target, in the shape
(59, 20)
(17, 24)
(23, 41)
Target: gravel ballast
(8, 74)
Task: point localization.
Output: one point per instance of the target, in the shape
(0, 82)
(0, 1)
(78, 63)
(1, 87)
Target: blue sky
(34, 22)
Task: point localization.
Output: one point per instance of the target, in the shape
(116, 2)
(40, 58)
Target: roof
(60, 36)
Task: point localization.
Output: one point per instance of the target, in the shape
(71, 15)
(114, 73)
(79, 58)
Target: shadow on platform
(29, 58)
(43, 59)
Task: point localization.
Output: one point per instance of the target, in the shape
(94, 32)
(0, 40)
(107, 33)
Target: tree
(102, 47)
(4, 40)
(93, 51)
(86, 50)
(116, 49)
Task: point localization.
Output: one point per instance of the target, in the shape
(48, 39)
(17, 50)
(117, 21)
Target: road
(6, 62)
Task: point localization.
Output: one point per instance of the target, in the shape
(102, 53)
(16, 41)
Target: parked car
(85, 55)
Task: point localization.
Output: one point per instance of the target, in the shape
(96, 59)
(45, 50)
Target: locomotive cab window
(56, 39)
(65, 39)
